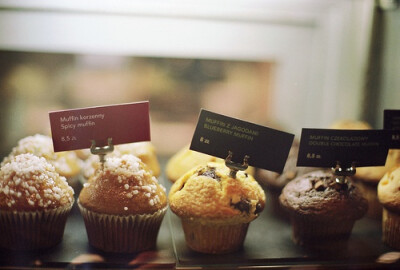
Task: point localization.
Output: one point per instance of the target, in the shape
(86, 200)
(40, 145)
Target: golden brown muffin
(186, 159)
(36, 199)
(216, 209)
(322, 211)
(389, 197)
(66, 163)
(123, 206)
(143, 150)
(367, 179)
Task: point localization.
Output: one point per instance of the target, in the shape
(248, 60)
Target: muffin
(216, 209)
(34, 204)
(275, 182)
(389, 197)
(66, 163)
(367, 179)
(186, 159)
(143, 150)
(123, 206)
(322, 212)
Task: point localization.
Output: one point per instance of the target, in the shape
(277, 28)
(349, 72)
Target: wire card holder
(103, 150)
(341, 173)
(235, 167)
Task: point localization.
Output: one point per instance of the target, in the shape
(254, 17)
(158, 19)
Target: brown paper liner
(319, 233)
(214, 238)
(32, 230)
(122, 234)
(391, 228)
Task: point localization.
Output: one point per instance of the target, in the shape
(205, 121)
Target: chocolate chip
(319, 186)
(258, 209)
(209, 172)
(243, 205)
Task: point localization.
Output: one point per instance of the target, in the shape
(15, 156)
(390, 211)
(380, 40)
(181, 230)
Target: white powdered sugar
(28, 179)
(128, 167)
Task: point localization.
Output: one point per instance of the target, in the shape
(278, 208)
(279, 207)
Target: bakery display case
(283, 64)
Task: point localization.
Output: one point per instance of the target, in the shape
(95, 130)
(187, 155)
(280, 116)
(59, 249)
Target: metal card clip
(235, 167)
(341, 173)
(102, 151)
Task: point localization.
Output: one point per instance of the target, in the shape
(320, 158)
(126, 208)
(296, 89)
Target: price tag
(76, 128)
(391, 121)
(217, 134)
(326, 147)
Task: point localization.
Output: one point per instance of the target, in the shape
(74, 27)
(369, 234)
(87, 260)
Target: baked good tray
(268, 244)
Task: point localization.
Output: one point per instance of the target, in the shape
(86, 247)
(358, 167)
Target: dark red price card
(76, 128)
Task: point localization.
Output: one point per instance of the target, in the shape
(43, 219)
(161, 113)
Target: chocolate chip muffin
(322, 211)
(216, 209)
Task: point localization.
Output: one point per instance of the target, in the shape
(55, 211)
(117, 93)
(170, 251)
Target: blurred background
(286, 64)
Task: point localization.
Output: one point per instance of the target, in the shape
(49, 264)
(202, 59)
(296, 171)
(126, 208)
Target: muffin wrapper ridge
(391, 228)
(122, 234)
(320, 233)
(32, 230)
(214, 238)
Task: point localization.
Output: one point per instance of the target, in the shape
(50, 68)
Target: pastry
(216, 209)
(34, 203)
(322, 212)
(389, 197)
(123, 206)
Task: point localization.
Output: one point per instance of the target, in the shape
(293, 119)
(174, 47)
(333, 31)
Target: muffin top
(318, 194)
(389, 190)
(30, 183)
(374, 174)
(143, 150)
(207, 191)
(123, 186)
(66, 163)
(185, 160)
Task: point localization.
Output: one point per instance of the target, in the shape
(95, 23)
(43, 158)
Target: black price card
(391, 121)
(326, 147)
(217, 134)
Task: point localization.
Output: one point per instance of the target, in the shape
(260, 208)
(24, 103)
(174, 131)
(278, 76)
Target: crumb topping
(30, 182)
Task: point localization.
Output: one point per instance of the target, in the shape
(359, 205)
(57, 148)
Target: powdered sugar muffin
(34, 203)
(216, 209)
(66, 163)
(123, 205)
(143, 150)
(389, 197)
